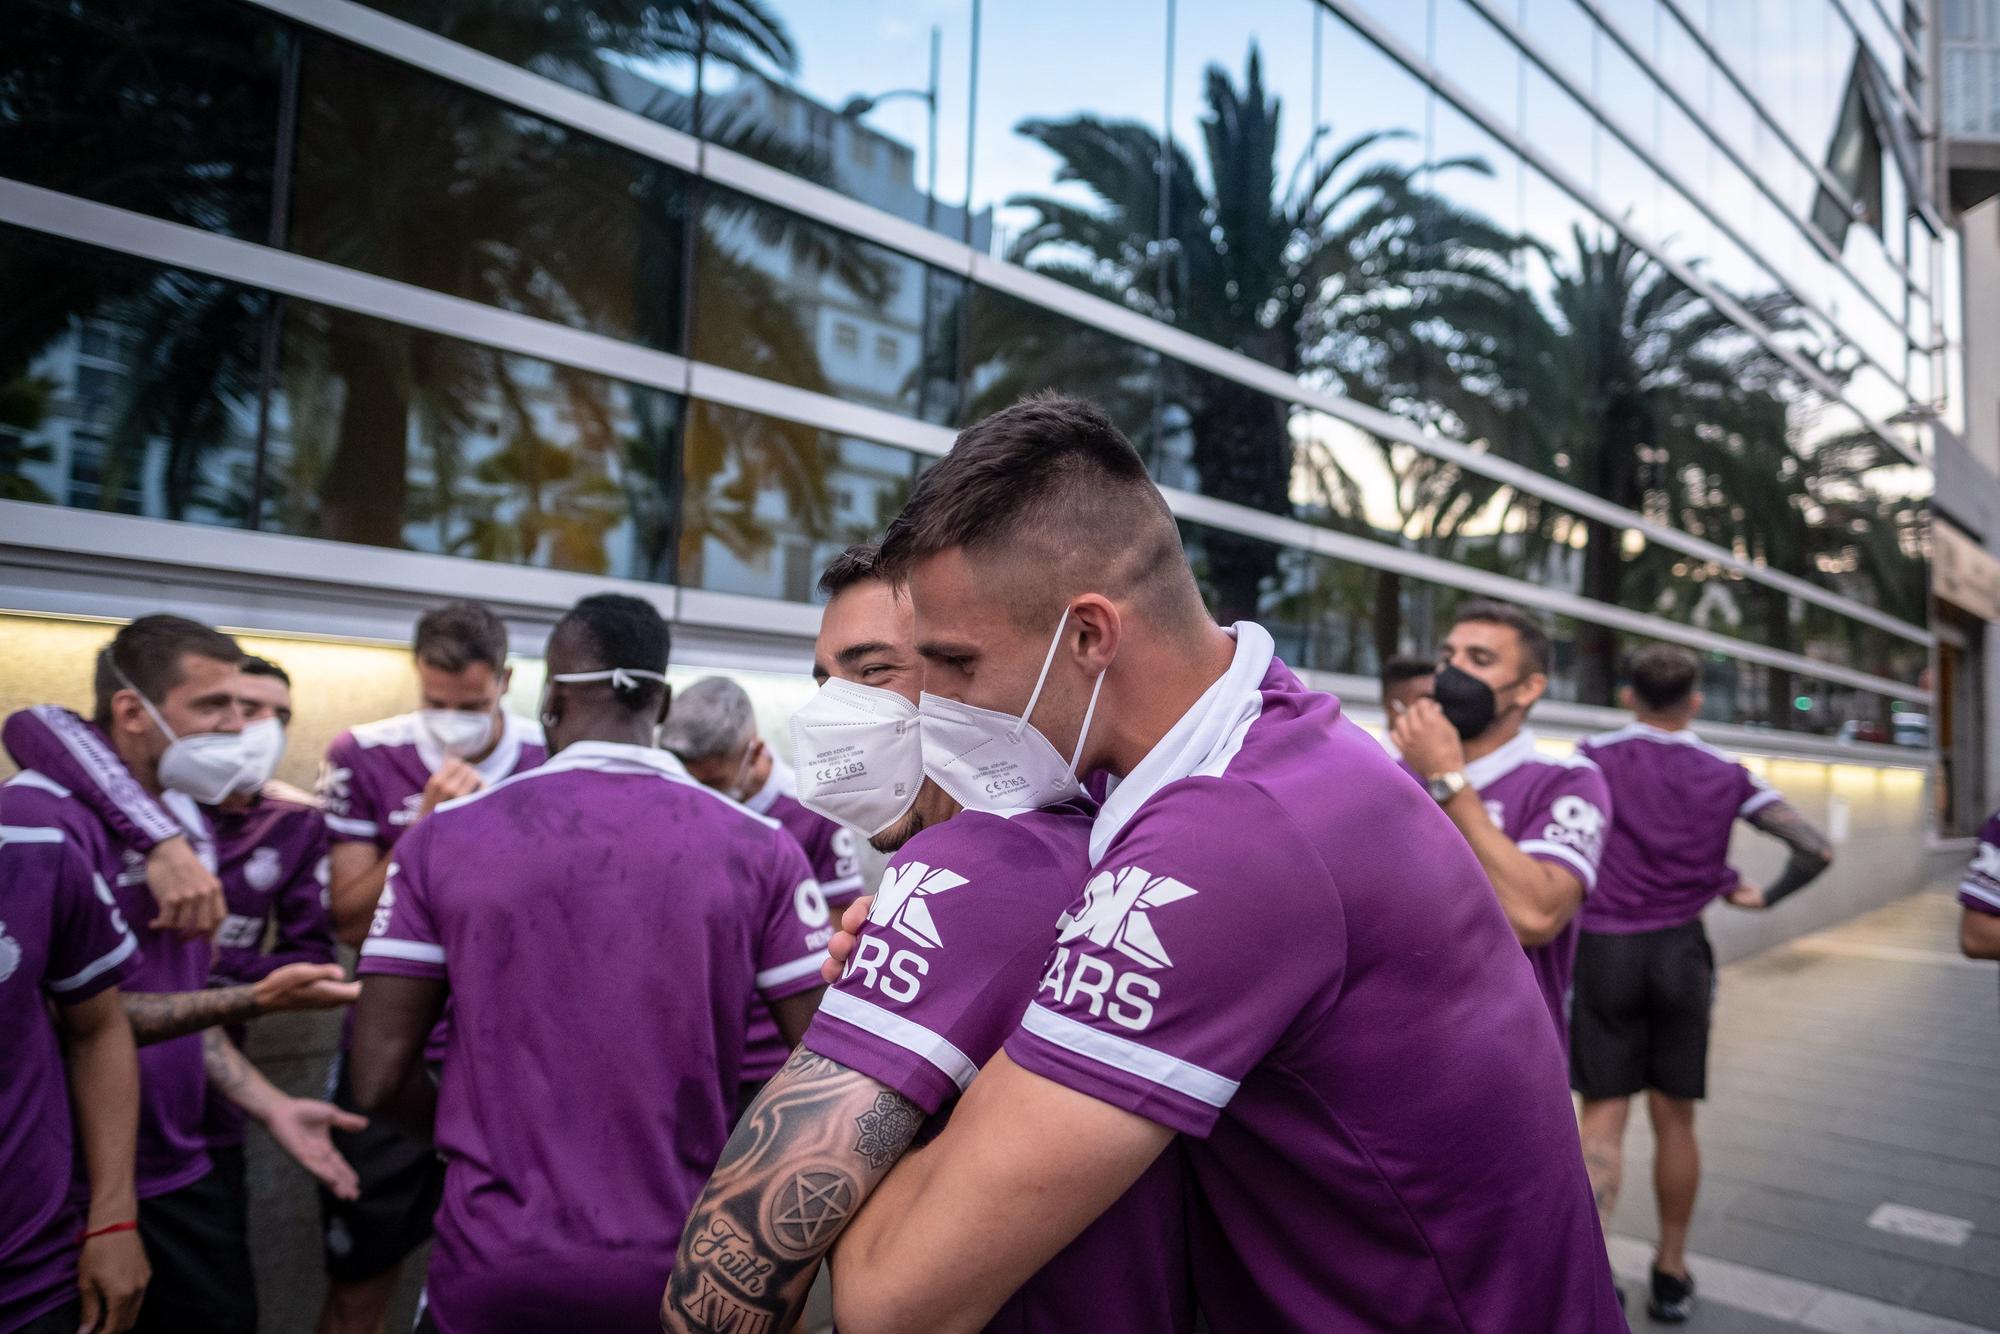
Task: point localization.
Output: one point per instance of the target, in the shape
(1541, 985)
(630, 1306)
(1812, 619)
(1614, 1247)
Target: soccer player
(167, 704)
(1645, 979)
(1536, 821)
(270, 852)
(379, 780)
(1979, 894)
(63, 949)
(712, 730)
(958, 937)
(1337, 1020)
(599, 925)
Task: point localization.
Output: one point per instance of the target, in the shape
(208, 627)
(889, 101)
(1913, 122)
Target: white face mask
(207, 766)
(990, 761)
(264, 742)
(858, 755)
(457, 731)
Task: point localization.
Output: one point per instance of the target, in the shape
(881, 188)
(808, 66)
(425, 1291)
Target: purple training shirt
(173, 1082)
(1675, 801)
(954, 948)
(1980, 889)
(831, 852)
(61, 940)
(602, 923)
(1555, 809)
(1286, 953)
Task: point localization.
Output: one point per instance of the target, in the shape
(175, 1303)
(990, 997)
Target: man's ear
(1096, 618)
(1533, 688)
(1627, 700)
(506, 679)
(666, 702)
(128, 714)
(1695, 701)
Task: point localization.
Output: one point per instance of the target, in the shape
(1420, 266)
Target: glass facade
(1625, 303)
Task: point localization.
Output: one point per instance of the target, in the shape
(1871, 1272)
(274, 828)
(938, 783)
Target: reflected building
(1647, 315)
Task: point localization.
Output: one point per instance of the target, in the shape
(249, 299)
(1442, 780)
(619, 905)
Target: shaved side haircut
(1053, 492)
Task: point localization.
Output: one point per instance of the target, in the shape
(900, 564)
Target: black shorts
(197, 1239)
(402, 1180)
(1640, 1011)
(65, 1319)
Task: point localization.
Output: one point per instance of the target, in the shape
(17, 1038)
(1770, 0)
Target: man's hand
(1747, 896)
(841, 947)
(304, 986)
(188, 894)
(111, 1278)
(300, 1127)
(454, 778)
(1427, 740)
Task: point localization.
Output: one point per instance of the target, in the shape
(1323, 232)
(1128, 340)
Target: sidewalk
(1850, 1141)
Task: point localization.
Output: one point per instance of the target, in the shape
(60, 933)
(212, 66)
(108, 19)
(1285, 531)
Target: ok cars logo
(902, 906)
(1114, 914)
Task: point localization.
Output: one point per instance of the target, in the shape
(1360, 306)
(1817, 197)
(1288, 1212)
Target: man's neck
(143, 767)
(1666, 722)
(1157, 687)
(617, 732)
(1494, 737)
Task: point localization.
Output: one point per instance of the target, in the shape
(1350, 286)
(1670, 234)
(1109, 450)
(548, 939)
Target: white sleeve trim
(83, 977)
(897, 1030)
(413, 950)
(1980, 892)
(20, 833)
(341, 824)
(1156, 1067)
(787, 972)
(851, 885)
(1758, 801)
(1575, 860)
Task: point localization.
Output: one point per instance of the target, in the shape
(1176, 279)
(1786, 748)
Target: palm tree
(1340, 270)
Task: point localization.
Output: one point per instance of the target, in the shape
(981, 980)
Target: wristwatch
(1446, 786)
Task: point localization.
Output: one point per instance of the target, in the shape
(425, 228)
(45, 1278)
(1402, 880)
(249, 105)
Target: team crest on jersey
(900, 905)
(1576, 823)
(262, 870)
(10, 953)
(1114, 914)
(412, 804)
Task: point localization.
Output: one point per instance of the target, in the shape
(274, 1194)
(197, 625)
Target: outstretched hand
(302, 1127)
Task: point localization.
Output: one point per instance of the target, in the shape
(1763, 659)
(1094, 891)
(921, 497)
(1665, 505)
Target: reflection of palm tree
(23, 406)
(1333, 272)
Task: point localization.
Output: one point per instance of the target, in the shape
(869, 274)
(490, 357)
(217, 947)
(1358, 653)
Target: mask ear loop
(154, 713)
(1021, 723)
(1083, 732)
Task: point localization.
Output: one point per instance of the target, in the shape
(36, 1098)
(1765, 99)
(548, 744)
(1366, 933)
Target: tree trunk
(1244, 455)
(1597, 645)
(365, 489)
(1388, 619)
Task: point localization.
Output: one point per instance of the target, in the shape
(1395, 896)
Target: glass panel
(1018, 348)
(768, 503)
(126, 386)
(168, 110)
(387, 436)
(415, 178)
(807, 305)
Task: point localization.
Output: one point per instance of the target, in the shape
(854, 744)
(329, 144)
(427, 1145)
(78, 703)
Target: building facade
(1642, 313)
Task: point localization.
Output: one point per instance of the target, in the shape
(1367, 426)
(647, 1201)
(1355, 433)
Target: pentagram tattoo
(886, 1130)
(810, 1208)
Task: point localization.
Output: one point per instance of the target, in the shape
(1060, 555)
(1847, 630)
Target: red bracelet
(129, 1225)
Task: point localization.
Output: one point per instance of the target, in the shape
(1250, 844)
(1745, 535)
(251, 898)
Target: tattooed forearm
(789, 1180)
(157, 1016)
(1811, 852)
(227, 1069)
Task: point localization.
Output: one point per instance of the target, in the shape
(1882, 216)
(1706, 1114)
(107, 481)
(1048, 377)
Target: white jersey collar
(779, 784)
(505, 757)
(618, 757)
(1205, 739)
(1491, 768)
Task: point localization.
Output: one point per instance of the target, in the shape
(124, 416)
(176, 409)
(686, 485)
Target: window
(1855, 160)
(885, 349)
(847, 338)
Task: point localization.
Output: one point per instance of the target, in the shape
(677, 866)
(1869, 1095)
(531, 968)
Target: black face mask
(1467, 701)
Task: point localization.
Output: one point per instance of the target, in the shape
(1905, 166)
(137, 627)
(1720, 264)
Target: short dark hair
(252, 665)
(1537, 651)
(453, 637)
(856, 565)
(624, 631)
(1054, 475)
(1400, 667)
(1664, 676)
(146, 656)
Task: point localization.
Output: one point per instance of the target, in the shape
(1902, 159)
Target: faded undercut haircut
(1054, 490)
(856, 565)
(710, 718)
(1537, 651)
(453, 637)
(146, 656)
(1400, 667)
(1664, 676)
(622, 631)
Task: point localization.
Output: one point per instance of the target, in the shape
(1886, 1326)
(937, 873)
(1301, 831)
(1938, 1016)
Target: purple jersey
(61, 940)
(1286, 953)
(1675, 801)
(831, 852)
(1980, 890)
(173, 1082)
(602, 923)
(954, 948)
(372, 782)
(1556, 810)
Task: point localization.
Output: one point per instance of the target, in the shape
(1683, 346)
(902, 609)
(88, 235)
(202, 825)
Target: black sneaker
(1673, 1298)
